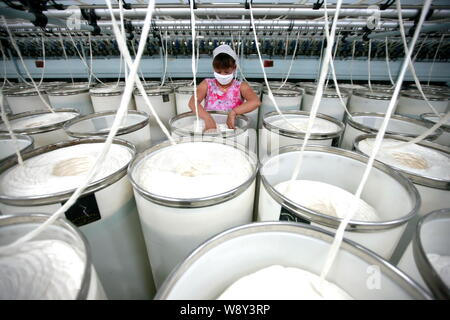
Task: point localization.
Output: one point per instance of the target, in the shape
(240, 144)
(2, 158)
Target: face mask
(223, 79)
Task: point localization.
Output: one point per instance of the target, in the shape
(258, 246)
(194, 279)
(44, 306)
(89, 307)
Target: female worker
(224, 93)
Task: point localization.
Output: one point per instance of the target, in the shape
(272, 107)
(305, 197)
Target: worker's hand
(210, 124)
(231, 119)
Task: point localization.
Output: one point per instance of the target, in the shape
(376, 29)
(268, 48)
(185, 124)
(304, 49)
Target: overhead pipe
(425, 29)
(226, 11)
(344, 23)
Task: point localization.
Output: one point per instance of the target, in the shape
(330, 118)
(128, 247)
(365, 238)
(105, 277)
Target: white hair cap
(224, 48)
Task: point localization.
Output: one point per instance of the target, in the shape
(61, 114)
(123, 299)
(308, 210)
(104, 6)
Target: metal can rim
(415, 178)
(333, 222)
(289, 228)
(20, 218)
(183, 132)
(41, 129)
(194, 202)
(349, 120)
(65, 195)
(121, 131)
(299, 135)
(437, 286)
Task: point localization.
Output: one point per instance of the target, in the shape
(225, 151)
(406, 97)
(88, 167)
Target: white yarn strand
(193, 65)
(351, 62)
(269, 90)
(83, 60)
(368, 64)
(319, 89)
(420, 48)
(333, 73)
(90, 63)
(292, 61)
(43, 58)
(424, 135)
(5, 79)
(377, 145)
(237, 54)
(14, 44)
(127, 58)
(78, 52)
(120, 69)
(434, 59)
(122, 31)
(10, 131)
(140, 71)
(408, 57)
(338, 91)
(121, 112)
(242, 57)
(442, 120)
(198, 57)
(387, 61)
(330, 72)
(165, 57)
(90, 60)
(65, 57)
(286, 46)
(17, 72)
(320, 58)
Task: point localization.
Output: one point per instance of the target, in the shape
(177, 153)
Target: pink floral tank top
(217, 100)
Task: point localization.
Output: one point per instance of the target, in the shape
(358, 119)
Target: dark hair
(223, 61)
